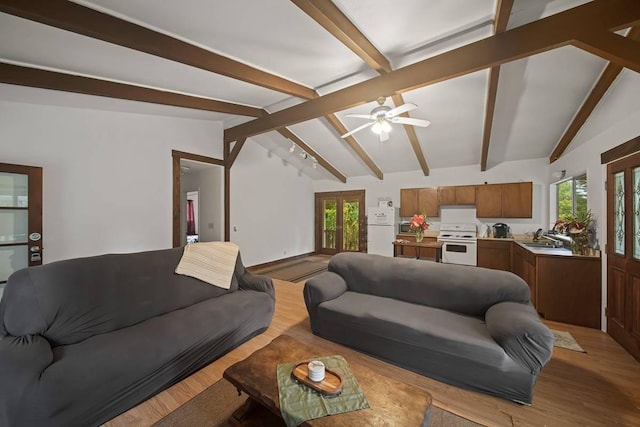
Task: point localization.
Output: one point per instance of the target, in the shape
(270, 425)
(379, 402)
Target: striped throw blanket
(211, 262)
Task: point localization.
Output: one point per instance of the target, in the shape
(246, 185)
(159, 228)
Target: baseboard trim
(279, 261)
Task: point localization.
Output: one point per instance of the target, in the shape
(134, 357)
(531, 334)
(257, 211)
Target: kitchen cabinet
(512, 200)
(419, 201)
(489, 201)
(408, 201)
(425, 253)
(517, 200)
(524, 265)
(569, 289)
(495, 254)
(457, 195)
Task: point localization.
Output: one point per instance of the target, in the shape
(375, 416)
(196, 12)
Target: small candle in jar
(316, 370)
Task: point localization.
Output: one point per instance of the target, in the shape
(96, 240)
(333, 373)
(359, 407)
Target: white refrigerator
(382, 227)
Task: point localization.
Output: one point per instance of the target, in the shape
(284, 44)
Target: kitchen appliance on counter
(405, 228)
(382, 227)
(459, 243)
(501, 230)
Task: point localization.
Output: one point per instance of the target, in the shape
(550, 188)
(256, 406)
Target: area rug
(565, 340)
(215, 405)
(297, 271)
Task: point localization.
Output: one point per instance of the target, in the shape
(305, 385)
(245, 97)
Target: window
(572, 197)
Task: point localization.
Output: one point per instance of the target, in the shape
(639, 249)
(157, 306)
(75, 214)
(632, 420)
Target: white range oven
(459, 243)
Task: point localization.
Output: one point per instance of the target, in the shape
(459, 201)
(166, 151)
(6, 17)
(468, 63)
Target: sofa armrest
(517, 328)
(323, 287)
(22, 361)
(256, 282)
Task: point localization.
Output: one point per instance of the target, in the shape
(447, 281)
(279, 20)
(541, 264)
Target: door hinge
(606, 312)
(605, 186)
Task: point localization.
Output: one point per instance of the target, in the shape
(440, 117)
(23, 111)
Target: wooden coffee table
(392, 403)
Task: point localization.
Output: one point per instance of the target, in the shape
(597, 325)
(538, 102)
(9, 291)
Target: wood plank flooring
(599, 388)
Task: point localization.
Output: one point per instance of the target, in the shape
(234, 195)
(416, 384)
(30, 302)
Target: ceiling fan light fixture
(381, 126)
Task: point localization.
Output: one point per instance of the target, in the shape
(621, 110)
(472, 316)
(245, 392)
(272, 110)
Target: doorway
(198, 199)
(20, 219)
(623, 253)
(340, 222)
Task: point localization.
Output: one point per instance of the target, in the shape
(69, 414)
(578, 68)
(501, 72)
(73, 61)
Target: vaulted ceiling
(499, 80)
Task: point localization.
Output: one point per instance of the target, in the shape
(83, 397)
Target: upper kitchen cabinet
(408, 201)
(428, 201)
(457, 195)
(513, 200)
(489, 201)
(517, 200)
(419, 201)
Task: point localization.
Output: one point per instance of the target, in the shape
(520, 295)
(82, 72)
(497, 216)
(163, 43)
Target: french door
(339, 222)
(623, 253)
(20, 218)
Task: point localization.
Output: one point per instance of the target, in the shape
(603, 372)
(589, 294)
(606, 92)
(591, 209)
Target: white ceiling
(537, 96)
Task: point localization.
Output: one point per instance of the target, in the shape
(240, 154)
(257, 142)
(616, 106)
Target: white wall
(529, 170)
(107, 175)
(271, 207)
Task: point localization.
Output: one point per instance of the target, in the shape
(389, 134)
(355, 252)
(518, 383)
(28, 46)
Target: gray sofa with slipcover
(467, 326)
(83, 340)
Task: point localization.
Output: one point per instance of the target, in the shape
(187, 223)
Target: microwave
(404, 228)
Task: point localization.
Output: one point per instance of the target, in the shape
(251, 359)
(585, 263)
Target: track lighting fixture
(292, 148)
(315, 163)
(304, 155)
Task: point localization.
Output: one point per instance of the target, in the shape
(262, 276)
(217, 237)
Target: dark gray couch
(468, 326)
(83, 340)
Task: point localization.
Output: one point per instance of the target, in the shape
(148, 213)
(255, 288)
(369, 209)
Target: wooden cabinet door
(569, 290)
(489, 201)
(494, 254)
(446, 196)
(428, 201)
(465, 195)
(408, 201)
(517, 200)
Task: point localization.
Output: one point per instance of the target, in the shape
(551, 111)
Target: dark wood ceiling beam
(601, 87)
(612, 47)
(503, 11)
(536, 37)
(413, 138)
(321, 160)
(332, 19)
(79, 19)
(337, 24)
(45, 79)
(233, 153)
(335, 123)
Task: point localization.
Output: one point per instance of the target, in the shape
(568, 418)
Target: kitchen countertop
(520, 239)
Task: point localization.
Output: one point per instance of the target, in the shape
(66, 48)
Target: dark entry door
(20, 218)
(623, 253)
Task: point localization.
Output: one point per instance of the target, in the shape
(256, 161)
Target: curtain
(191, 218)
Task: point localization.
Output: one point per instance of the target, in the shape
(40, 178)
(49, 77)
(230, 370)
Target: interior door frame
(340, 196)
(176, 157)
(34, 213)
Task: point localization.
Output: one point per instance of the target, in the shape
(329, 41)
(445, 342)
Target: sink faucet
(556, 243)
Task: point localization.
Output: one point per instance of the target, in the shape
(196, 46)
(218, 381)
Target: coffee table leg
(253, 414)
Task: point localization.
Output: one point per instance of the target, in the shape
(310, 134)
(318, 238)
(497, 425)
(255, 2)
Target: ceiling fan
(383, 116)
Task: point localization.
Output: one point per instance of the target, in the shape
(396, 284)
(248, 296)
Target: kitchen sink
(541, 245)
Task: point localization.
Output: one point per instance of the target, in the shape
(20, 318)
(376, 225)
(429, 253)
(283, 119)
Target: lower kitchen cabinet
(494, 254)
(569, 289)
(524, 265)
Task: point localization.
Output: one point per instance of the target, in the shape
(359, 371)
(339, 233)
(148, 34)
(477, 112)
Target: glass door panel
(12, 258)
(329, 223)
(618, 213)
(351, 225)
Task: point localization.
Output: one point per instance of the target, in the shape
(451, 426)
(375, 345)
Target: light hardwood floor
(599, 388)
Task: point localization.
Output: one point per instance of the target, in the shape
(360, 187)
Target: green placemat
(299, 403)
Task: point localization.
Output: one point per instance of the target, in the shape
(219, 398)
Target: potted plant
(580, 227)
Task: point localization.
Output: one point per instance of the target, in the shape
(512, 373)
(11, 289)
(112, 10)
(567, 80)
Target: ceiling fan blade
(359, 128)
(410, 121)
(401, 109)
(361, 116)
(384, 136)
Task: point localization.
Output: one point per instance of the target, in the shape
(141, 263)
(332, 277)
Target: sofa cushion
(459, 288)
(69, 301)
(417, 325)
